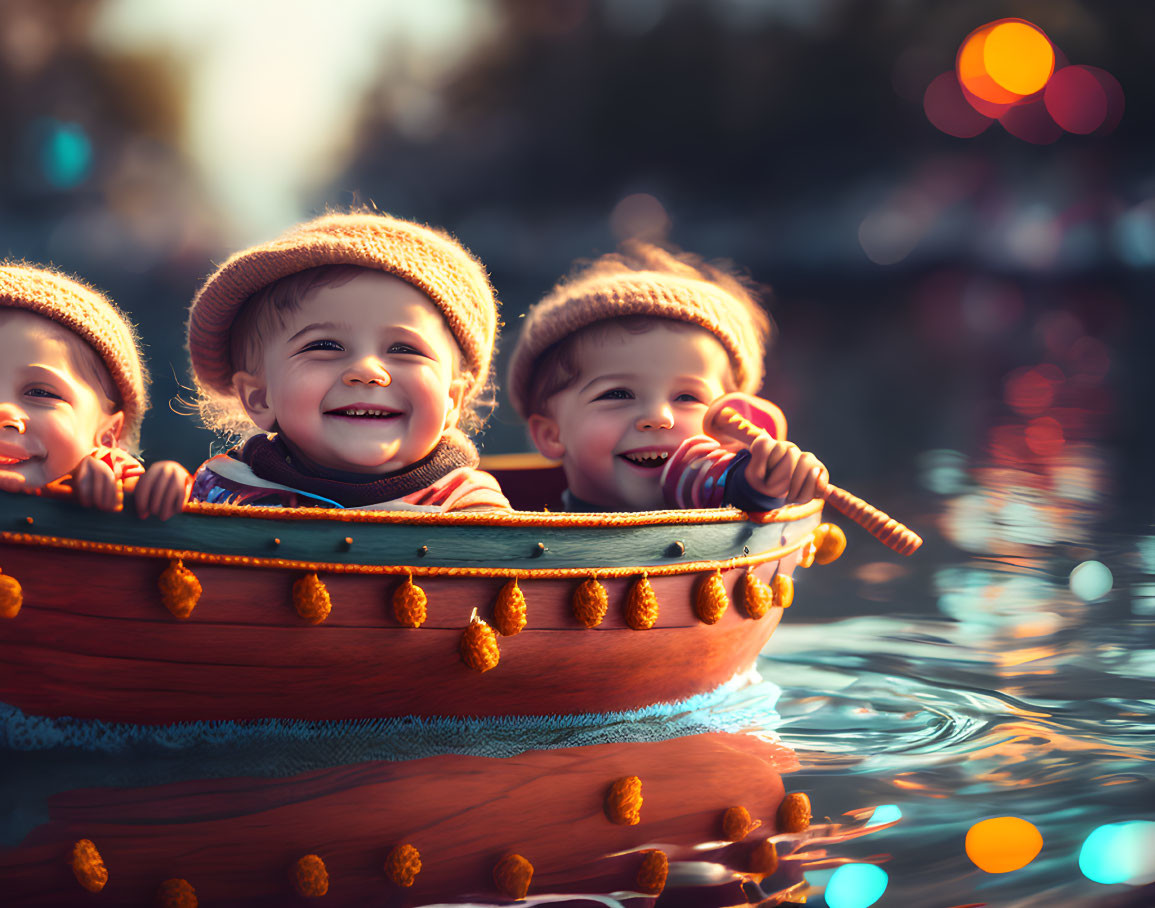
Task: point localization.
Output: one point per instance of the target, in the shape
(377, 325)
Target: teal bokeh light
(885, 813)
(1120, 853)
(1091, 580)
(65, 153)
(855, 886)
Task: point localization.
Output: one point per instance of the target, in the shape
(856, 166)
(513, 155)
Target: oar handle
(878, 524)
(722, 419)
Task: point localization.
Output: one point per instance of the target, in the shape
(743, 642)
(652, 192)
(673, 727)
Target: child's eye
(44, 393)
(616, 394)
(323, 344)
(687, 397)
(405, 349)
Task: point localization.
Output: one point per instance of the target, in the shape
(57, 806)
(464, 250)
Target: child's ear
(108, 433)
(546, 435)
(254, 396)
(456, 396)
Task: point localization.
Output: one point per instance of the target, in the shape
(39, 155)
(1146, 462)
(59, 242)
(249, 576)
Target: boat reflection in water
(231, 811)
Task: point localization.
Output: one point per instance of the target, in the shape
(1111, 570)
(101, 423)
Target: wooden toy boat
(229, 613)
(307, 614)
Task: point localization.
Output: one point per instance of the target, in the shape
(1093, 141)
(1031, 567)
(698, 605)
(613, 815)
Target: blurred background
(952, 287)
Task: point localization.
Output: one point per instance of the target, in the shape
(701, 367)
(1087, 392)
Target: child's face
(638, 397)
(51, 416)
(360, 378)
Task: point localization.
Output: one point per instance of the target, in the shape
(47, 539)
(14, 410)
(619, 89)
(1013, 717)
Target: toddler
(614, 371)
(349, 351)
(72, 393)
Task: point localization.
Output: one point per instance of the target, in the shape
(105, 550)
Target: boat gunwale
(191, 556)
(495, 517)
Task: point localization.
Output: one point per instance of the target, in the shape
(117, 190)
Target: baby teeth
(643, 458)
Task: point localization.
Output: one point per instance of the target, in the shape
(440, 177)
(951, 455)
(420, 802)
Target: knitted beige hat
(665, 285)
(428, 259)
(89, 314)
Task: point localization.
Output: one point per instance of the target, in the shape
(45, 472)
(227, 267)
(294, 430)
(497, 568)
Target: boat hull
(93, 639)
(106, 650)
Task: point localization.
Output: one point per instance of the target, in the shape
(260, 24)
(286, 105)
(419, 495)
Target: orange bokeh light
(1019, 57)
(1003, 844)
(1005, 61)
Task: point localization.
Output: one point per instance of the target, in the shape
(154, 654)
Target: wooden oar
(724, 420)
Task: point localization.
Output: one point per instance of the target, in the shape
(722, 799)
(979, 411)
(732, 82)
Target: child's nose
(656, 417)
(368, 371)
(12, 418)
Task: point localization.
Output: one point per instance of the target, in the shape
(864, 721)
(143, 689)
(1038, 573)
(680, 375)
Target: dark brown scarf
(270, 459)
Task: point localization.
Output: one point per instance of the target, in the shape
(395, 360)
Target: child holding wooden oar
(614, 371)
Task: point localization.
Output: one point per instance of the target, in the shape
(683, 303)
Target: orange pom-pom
(651, 879)
(764, 858)
(737, 824)
(179, 589)
(403, 865)
(176, 894)
(11, 596)
(756, 596)
(509, 613)
(806, 558)
(311, 599)
(794, 813)
(409, 604)
(711, 600)
(641, 605)
(310, 878)
(590, 603)
(783, 589)
(88, 866)
(624, 801)
(479, 646)
(829, 542)
(512, 876)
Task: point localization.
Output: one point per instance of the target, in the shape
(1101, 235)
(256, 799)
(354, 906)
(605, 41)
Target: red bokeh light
(1115, 102)
(1031, 123)
(948, 109)
(1030, 391)
(1076, 100)
(1044, 436)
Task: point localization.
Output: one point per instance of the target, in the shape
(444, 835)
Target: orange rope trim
(192, 557)
(786, 514)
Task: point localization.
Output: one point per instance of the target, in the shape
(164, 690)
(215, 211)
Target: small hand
(163, 490)
(95, 485)
(780, 469)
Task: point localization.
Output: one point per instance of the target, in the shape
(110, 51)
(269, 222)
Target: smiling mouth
(648, 460)
(363, 413)
(6, 461)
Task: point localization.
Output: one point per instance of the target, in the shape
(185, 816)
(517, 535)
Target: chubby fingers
(808, 478)
(95, 485)
(163, 490)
